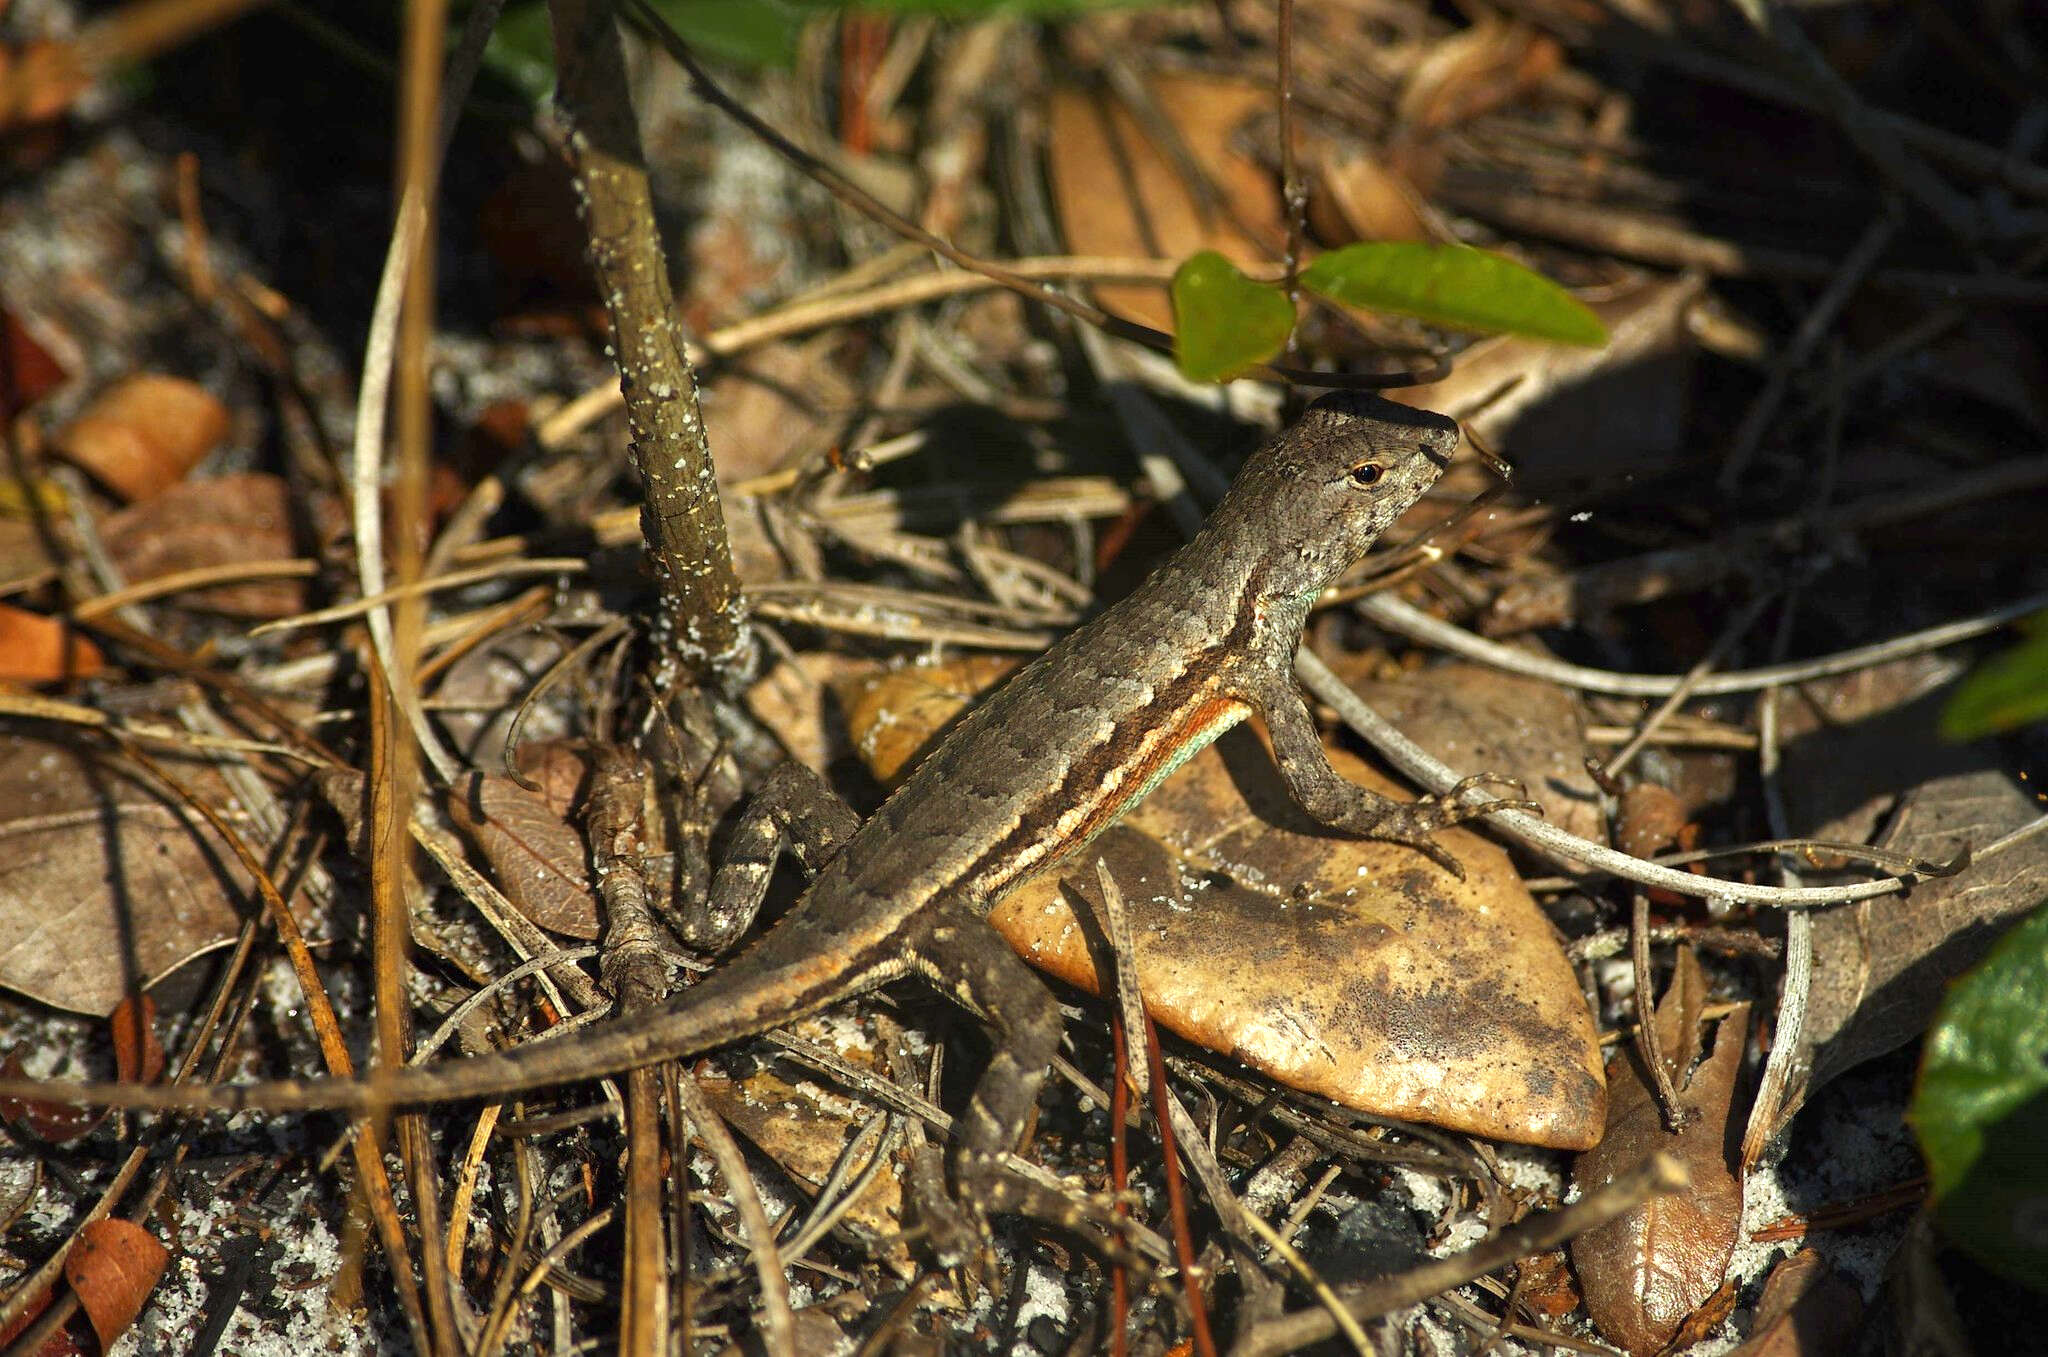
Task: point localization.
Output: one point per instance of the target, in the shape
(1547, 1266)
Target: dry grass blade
(365, 1140)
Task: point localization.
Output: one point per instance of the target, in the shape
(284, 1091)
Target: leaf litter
(1435, 129)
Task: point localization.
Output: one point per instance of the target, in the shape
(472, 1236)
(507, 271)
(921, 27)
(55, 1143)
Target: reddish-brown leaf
(113, 1267)
(59, 1344)
(55, 1123)
(32, 372)
(143, 433)
(540, 862)
(138, 1055)
(39, 649)
(1647, 1270)
(222, 520)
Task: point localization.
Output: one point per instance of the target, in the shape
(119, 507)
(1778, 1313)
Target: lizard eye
(1366, 473)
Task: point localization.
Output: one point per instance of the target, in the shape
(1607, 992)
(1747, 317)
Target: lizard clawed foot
(1414, 824)
(1453, 800)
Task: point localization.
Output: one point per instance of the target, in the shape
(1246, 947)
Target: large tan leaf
(1347, 968)
(103, 879)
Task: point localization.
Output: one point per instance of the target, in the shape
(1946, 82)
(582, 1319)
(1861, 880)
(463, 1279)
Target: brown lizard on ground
(1048, 761)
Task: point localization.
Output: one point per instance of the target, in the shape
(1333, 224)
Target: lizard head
(1311, 501)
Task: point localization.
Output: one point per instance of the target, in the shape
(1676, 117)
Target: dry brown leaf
(766, 404)
(39, 649)
(1649, 1269)
(102, 878)
(1477, 717)
(1118, 194)
(1360, 197)
(1807, 1310)
(791, 699)
(138, 1055)
(222, 520)
(561, 769)
(894, 715)
(142, 434)
(25, 552)
(536, 857)
(1650, 820)
(33, 370)
(60, 1344)
(1351, 969)
(1880, 967)
(38, 81)
(55, 1123)
(1547, 1286)
(113, 1267)
(805, 1127)
(1474, 70)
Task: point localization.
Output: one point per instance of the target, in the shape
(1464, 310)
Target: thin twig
(1414, 761)
(1417, 625)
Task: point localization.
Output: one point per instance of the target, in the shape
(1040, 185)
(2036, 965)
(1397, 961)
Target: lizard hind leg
(967, 959)
(793, 807)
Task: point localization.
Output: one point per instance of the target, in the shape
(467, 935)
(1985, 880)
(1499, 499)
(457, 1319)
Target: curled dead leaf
(113, 1267)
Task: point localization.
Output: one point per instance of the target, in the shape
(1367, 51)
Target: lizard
(1050, 759)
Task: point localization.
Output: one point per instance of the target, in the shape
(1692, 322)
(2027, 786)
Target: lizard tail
(729, 1004)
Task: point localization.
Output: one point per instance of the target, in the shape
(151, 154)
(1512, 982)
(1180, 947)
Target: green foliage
(1454, 286)
(1224, 323)
(2003, 693)
(1229, 323)
(742, 32)
(1981, 1109)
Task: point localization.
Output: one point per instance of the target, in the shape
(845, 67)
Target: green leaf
(747, 32)
(981, 9)
(522, 51)
(2003, 693)
(1225, 323)
(1454, 286)
(1981, 1109)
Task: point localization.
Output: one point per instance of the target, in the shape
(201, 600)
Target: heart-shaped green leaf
(1981, 1110)
(1454, 286)
(1224, 322)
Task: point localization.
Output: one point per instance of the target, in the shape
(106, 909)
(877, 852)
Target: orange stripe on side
(1198, 725)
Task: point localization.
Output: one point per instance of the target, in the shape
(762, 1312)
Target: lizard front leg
(1335, 800)
(794, 806)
